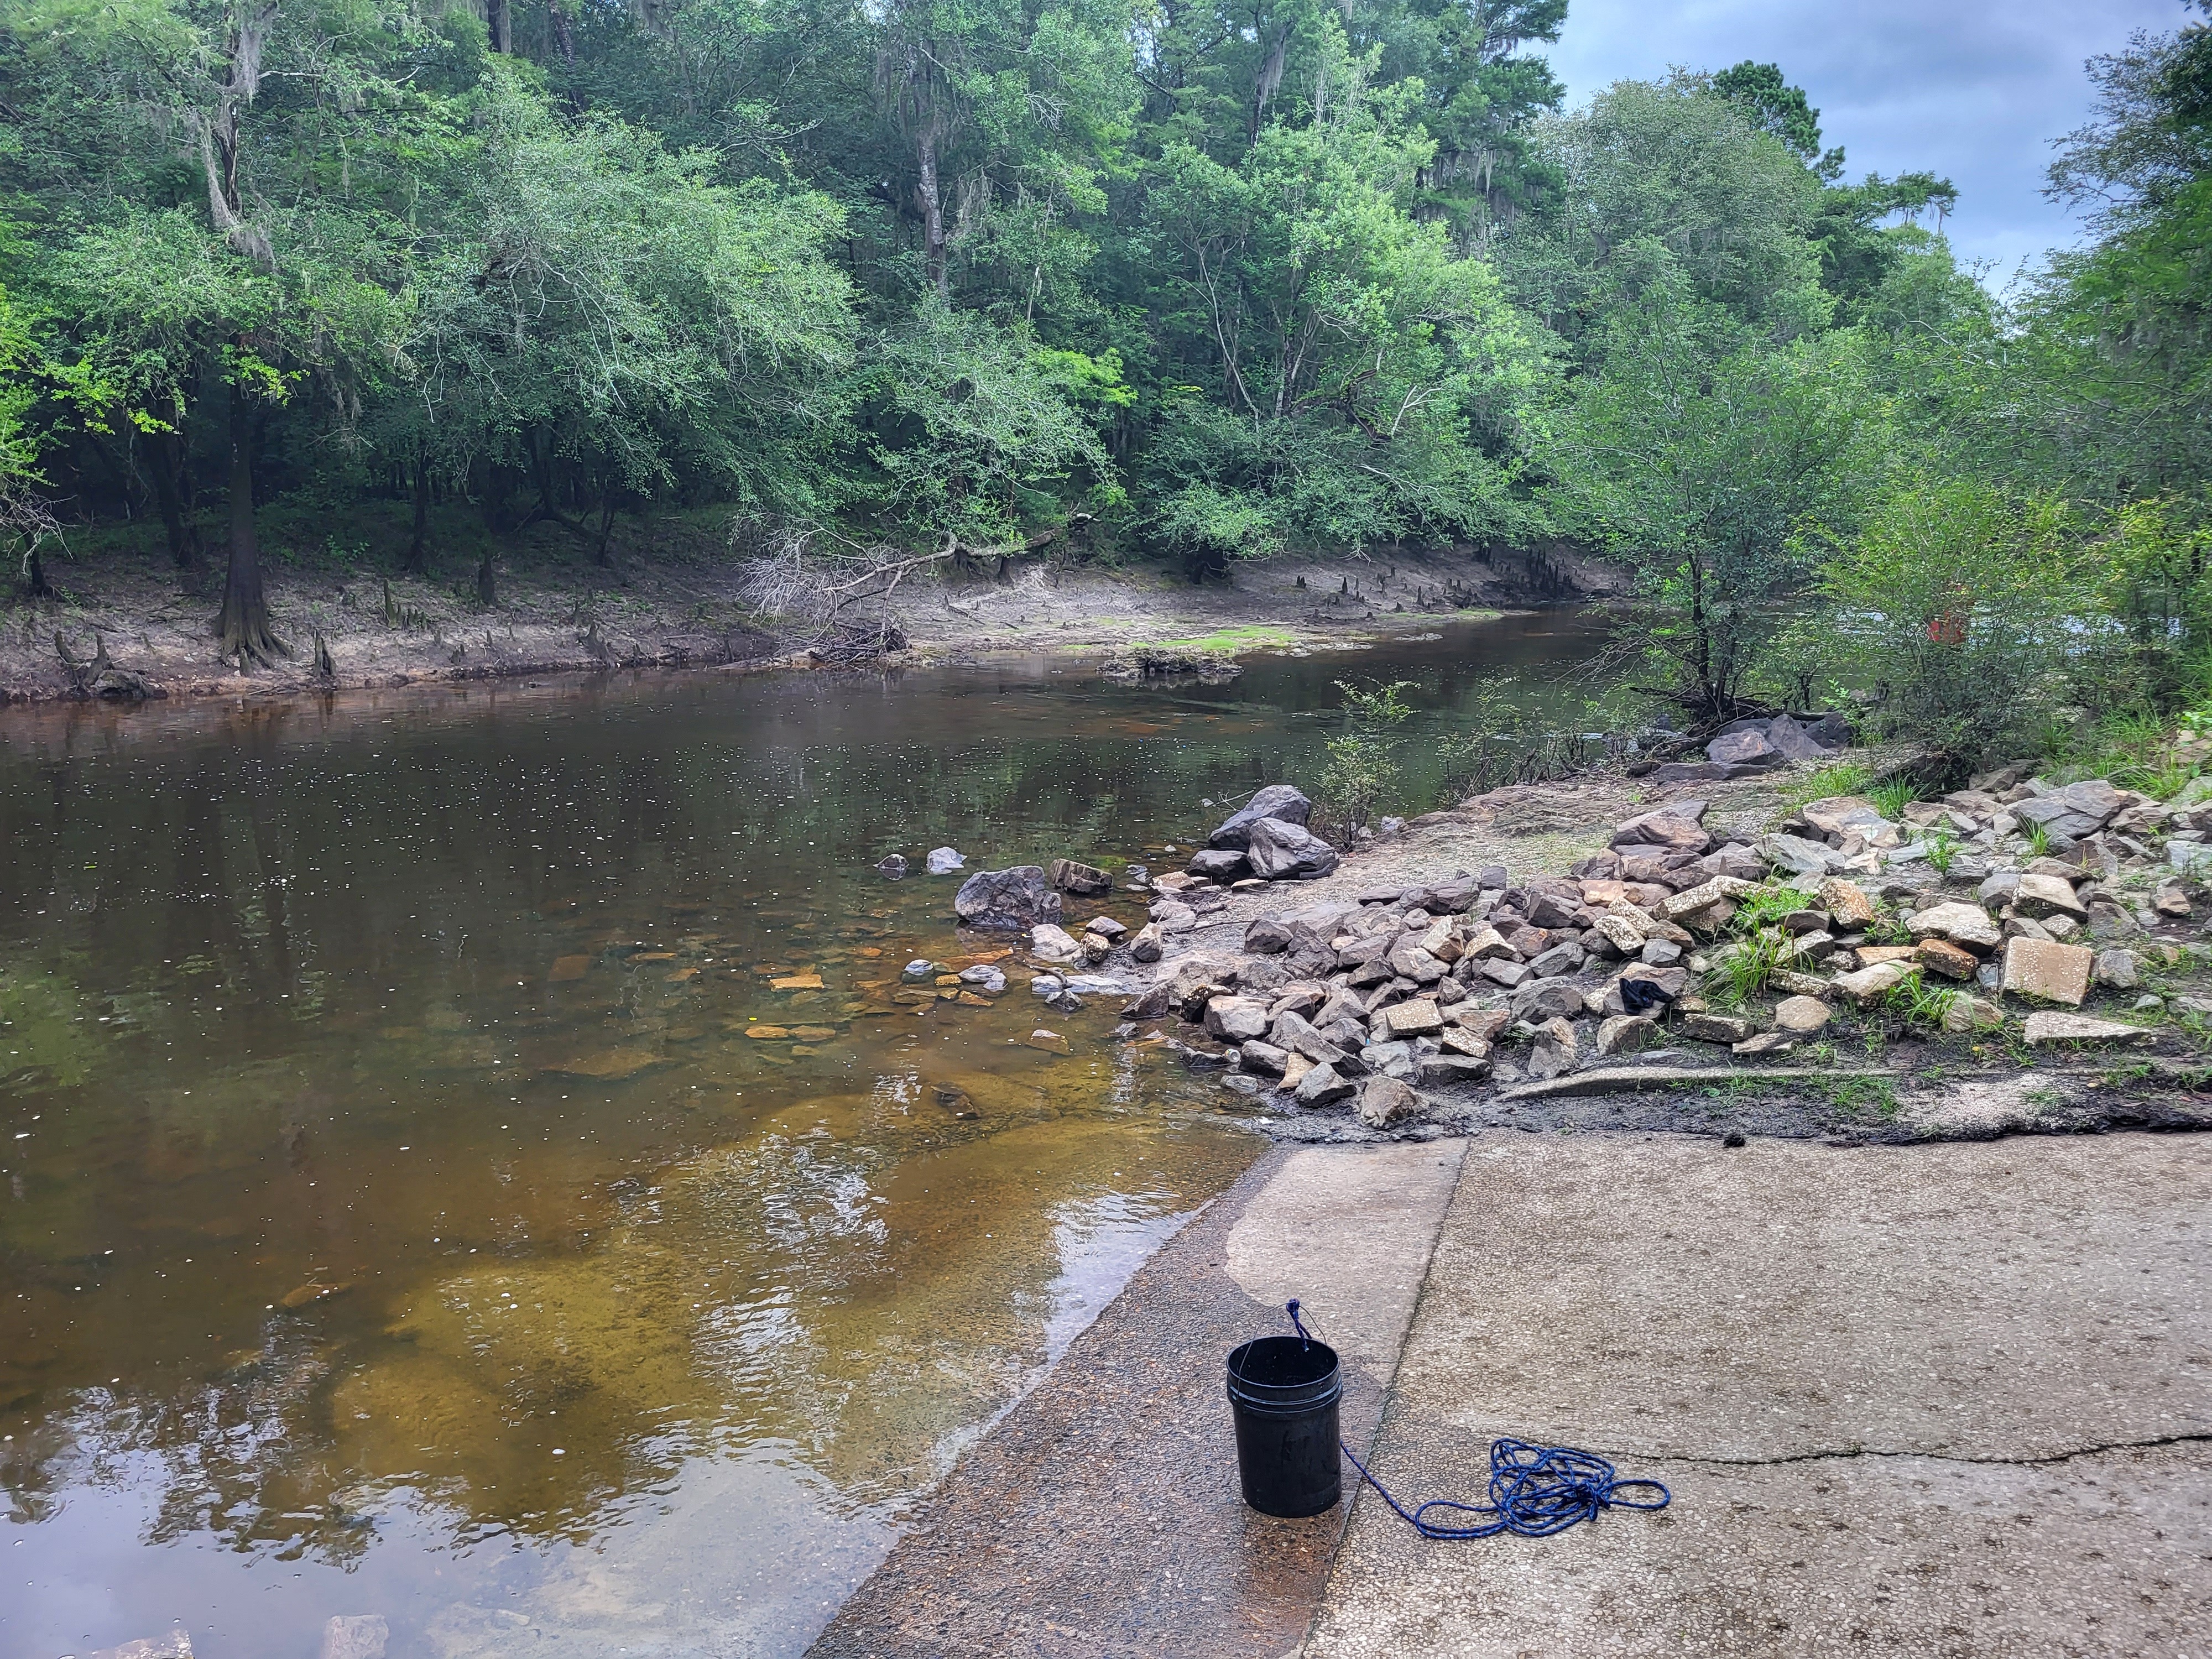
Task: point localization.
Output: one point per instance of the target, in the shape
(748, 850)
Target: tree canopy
(1211, 281)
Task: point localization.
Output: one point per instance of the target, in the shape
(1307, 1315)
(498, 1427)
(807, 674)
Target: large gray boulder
(1279, 802)
(1278, 851)
(1673, 828)
(1792, 741)
(1750, 748)
(1007, 900)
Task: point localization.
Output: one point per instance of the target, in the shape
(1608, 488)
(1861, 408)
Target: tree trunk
(487, 583)
(242, 626)
(929, 192)
(564, 38)
(600, 556)
(501, 23)
(174, 494)
(418, 546)
(35, 585)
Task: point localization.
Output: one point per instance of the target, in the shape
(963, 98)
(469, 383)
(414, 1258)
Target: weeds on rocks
(1892, 796)
(1837, 778)
(1919, 1003)
(1741, 971)
(1942, 844)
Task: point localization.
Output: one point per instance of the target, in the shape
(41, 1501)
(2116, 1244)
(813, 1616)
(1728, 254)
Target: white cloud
(1968, 89)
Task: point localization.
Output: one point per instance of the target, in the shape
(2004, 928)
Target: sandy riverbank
(682, 606)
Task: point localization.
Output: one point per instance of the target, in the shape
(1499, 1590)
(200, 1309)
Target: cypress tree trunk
(243, 624)
(418, 546)
(173, 494)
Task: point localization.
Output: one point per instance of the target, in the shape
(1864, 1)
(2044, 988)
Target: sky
(1971, 90)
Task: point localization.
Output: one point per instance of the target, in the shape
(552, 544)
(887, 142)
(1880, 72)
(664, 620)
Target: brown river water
(401, 1214)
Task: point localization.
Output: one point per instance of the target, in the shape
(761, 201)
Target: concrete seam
(2195, 1438)
(1389, 1392)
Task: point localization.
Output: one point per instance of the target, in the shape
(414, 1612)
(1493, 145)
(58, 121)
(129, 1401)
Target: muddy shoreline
(685, 608)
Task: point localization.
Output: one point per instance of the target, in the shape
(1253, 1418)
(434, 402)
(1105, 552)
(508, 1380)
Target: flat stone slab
(2047, 1026)
(1625, 1080)
(1944, 1399)
(2050, 973)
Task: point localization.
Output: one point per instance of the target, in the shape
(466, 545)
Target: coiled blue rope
(1536, 1491)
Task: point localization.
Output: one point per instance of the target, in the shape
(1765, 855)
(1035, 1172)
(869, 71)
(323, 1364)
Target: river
(403, 1215)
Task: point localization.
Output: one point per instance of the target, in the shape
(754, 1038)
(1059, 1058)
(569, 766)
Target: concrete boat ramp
(1946, 1400)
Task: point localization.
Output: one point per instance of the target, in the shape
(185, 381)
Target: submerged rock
(1007, 901)
(943, 861)
(1084, 880)
(893, 868)
(1053, 944)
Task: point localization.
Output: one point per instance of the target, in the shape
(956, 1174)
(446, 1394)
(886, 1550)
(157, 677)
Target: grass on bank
(1249, 636)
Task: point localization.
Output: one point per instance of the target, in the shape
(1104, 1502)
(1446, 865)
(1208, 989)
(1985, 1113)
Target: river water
(404, 1214)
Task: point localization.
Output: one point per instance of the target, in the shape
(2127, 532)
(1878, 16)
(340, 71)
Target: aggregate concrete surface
(1948, 1399)
(1102, 1516)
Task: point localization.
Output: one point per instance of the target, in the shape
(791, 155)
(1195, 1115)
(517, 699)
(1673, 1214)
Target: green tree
(250, 298)
(1696, 448)
(1363, 382)
(599, 316)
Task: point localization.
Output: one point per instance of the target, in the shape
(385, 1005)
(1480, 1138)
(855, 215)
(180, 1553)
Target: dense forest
(1174, 279)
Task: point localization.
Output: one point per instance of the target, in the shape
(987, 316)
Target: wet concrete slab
(1947, 1399)
(1102, 1514)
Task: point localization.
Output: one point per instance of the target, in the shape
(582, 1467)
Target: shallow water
(403, 1215)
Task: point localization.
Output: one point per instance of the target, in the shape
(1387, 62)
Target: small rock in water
(1051, 1042)
(943, 860)
(175, 1646)
(1084, 880)
(355, 1636)
(984, 977)
(1065, 1003)
(1007, 900)
(610, 1066)
(894, 866)
(1047, 985)
(919, 969)
(1055, 943)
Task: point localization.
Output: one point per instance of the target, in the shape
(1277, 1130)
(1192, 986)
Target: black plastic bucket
(1283, 1395)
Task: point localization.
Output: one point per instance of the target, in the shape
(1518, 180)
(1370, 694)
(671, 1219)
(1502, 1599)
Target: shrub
(1964, 608)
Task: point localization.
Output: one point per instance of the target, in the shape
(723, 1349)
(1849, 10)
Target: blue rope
(1536, 1491)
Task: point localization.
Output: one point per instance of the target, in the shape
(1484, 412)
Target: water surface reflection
(407, 1210)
